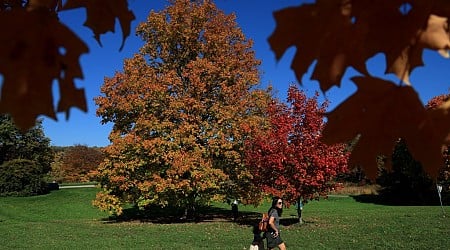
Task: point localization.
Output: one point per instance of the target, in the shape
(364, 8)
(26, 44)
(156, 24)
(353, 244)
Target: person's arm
(272, 225)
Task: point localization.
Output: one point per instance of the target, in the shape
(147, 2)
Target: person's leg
(282, 246)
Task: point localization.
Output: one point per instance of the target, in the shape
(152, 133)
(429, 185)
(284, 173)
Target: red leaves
(289, 160)
(357, 33)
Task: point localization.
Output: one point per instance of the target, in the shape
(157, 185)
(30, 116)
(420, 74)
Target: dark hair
(274, 205)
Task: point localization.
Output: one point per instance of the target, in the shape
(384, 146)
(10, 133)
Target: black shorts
(273, 242)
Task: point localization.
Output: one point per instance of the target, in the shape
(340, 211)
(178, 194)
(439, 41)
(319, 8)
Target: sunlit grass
(355, 189)
(65, 219)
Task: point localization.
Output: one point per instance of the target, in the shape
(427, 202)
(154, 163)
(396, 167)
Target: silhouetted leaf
(101, 15)
(342, 33)
(31, 59)
(320, 32)
(376, 113)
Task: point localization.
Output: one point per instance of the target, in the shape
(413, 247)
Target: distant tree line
(76, 163)
(28, 162)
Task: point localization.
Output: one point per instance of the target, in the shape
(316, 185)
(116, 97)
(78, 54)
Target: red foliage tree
(289, 160)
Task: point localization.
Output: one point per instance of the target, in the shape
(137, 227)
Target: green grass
(65, 219)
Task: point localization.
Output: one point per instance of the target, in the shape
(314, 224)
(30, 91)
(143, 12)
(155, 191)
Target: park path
(78, 186)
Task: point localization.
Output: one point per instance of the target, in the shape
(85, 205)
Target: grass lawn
(65, 219)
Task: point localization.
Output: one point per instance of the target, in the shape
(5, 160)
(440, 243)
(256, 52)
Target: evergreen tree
(25, 159)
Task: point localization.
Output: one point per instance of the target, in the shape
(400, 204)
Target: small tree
(57, 173)
(289, 160)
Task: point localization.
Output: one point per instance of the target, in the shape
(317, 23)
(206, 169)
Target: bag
(264, 223)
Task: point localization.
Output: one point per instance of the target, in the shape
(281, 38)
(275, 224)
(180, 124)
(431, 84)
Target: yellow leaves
(107, 202)
(32, 59)
(180, 104)
(377, 115)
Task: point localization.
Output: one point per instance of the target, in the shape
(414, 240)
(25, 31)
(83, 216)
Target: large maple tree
(289, 160)
(181, 109)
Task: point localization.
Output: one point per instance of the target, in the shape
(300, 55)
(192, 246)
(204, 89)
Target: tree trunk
(300, 210)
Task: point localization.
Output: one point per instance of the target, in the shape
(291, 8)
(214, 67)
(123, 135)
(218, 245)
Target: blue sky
(257, 22)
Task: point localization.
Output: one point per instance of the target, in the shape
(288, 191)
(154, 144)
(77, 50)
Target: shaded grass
(65, 219)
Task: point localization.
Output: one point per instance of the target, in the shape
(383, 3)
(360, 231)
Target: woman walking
(273, 234)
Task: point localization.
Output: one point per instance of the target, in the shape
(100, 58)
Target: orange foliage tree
(76, 163)
(337, 34)
(181, 109)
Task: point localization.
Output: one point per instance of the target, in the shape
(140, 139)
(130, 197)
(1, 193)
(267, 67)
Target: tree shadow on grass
(170, 215)
(203, 214)
(398, 199)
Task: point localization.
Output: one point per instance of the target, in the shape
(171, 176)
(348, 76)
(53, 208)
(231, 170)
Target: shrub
(20, 177)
